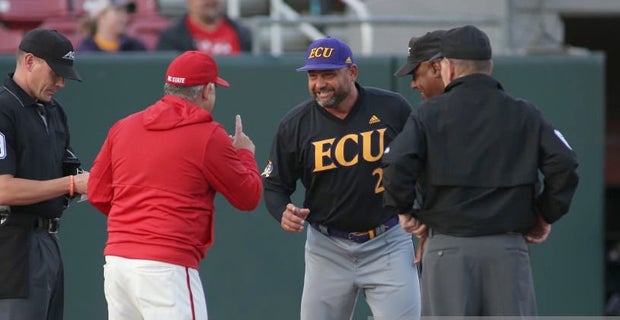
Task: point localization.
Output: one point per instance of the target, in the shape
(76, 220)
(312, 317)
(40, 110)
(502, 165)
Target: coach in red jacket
(155, 178)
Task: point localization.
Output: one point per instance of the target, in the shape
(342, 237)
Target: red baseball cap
(193, 68)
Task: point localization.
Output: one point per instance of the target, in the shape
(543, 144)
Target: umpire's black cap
(466, 43)
(421, 49)
(54, 48)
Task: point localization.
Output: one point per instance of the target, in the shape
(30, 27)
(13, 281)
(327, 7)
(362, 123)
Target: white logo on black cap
(70, 55)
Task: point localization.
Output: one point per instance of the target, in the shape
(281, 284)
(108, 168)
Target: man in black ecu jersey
(334, 143)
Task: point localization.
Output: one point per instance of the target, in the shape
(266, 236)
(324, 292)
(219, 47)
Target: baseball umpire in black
(480, 151)
(38, 174)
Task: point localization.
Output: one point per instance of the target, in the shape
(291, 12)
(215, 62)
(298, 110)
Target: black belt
(359, 237)
(50, 225)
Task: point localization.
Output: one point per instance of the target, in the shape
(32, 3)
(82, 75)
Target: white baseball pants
(150, 290)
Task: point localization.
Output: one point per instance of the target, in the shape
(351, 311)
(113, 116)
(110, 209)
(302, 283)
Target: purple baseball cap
(327, 54)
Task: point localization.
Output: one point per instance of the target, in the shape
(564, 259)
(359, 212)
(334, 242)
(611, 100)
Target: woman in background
(106, 24)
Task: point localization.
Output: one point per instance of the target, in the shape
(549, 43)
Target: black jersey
(480, 151)
(337, 160)
(31, 147)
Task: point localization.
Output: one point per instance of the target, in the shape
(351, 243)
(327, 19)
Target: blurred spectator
(106, 24)
(206, 28)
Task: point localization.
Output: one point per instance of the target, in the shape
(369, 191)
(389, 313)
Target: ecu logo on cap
(320, 52)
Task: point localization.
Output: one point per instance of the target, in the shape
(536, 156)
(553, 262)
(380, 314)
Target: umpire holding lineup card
(480, 151)
(38, 176)
(333, 143)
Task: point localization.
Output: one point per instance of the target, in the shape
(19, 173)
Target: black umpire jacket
(480, 152)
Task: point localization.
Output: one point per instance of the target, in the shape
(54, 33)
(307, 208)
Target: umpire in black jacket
(481, 151)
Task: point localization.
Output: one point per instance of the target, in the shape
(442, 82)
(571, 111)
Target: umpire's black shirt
(480, 150)
(32, 148)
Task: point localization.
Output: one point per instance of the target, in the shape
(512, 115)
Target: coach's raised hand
(240, 139)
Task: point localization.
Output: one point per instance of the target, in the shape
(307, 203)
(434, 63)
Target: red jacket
(156, 176)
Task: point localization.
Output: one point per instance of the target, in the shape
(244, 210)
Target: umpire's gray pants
(336, 269)
(477, 276)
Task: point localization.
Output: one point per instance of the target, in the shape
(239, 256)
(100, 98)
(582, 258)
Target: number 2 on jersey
(379, 186)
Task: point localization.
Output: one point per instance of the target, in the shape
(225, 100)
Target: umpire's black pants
(46, 282)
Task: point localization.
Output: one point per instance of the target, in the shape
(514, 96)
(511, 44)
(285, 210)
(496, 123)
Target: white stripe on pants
(146, 289)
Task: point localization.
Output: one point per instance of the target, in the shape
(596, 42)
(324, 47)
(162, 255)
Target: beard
(333, 102)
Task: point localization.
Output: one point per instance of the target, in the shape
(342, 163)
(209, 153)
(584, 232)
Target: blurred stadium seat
(147, 29)
(68, 26)
(10, 40)
(77, 7)
(147, 7)
(28, 14)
